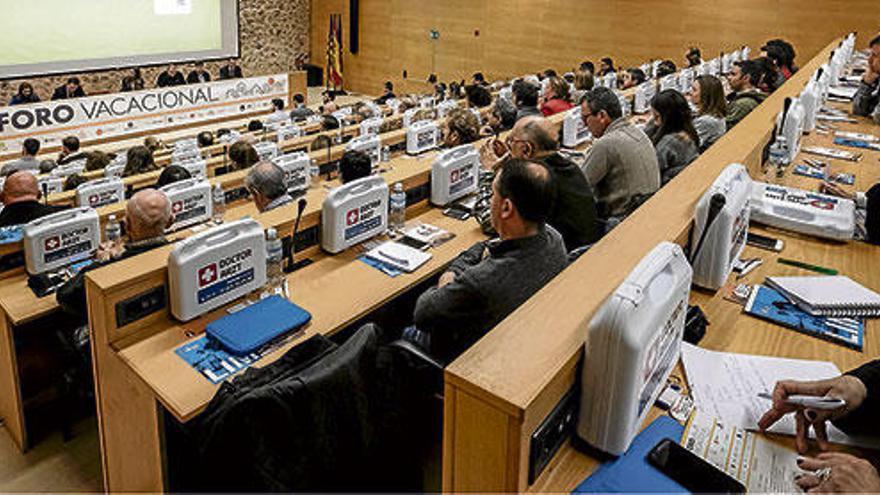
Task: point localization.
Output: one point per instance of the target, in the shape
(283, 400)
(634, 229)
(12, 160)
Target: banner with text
(119, 114)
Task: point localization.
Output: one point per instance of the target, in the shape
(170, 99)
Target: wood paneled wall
(503, 38)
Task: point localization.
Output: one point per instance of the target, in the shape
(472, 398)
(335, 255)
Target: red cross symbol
(93, 199)
(207, 275)
(455, 175)
(351, 217)
(52, 243)
(177, 207)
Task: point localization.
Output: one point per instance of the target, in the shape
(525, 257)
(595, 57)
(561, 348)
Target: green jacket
(741, 105)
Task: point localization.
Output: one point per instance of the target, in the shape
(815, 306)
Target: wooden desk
(501, 389)
(134, 376)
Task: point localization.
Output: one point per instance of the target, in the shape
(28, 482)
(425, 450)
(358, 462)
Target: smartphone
(690, 471)
(457, 213)
(414, 243)
(764, 242)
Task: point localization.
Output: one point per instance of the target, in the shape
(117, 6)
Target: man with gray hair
(265, 182)
(147, 215)
(621, 165)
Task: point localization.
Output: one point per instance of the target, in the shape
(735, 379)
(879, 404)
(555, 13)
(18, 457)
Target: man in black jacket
(574, 214)
(147, 215)
(198, 74)
(71, 89)
(170, 77)
(833, 472)
(21, 198)
(231, 70)
(70, 151)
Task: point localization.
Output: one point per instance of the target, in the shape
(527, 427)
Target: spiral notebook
(828, 296)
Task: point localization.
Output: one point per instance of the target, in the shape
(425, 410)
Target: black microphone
(45, 187)
(716, 204)
(301, 206)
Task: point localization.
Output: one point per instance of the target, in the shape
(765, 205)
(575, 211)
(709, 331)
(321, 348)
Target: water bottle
(112, 231)
(778, 156)
(274, 270)
(314, 174)
(219, 204)
(397, 209)
(386, 153)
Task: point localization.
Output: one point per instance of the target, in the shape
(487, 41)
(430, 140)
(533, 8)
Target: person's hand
(492, 153)
(835, 472)
(833, 189)
(486, 131)
(873, 71)
(109, 250)
(446, 279)
(846, 387)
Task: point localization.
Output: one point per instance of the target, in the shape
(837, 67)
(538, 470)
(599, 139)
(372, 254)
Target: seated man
(491, 279)
(70, 89)
(525, 97)
(743, 78)
(278, 115)
(70, 151)
(28, 161)
(265, 182)
(21, 199)
(388, 93)
(574, 212)
(147, 215)
(621, 165)
(300, 111)
(867, 99)
(354, 165)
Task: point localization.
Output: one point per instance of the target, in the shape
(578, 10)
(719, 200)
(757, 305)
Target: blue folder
(631, 472)
(248, 330)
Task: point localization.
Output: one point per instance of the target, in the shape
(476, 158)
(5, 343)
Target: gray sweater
(710, 129)
(621, 165)
(866, 102)
(674, 153)
(492, 279)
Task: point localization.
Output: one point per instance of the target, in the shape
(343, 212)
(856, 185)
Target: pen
(395, 259)
(812, 402)
(807, 266)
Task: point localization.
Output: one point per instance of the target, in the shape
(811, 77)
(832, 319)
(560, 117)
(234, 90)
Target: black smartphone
(457, 213)
(690, 471)
(413, 243)
(764, 242)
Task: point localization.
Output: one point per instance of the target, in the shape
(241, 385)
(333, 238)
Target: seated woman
(140, 161)
(556, 97)
(460, 127)
(97, 160)
(172, 174)
(672, 131)
(631, 78)
(707, 96)
(24, 95)
(241, 156)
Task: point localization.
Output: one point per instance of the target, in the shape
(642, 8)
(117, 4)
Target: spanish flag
(334, 52)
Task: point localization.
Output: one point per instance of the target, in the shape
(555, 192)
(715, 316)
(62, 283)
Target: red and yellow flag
(334, 52)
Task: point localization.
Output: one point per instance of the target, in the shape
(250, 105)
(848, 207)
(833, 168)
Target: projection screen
(43, 37)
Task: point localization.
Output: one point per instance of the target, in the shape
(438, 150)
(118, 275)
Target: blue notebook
(770, 305)
(248, 330)
(631, 472)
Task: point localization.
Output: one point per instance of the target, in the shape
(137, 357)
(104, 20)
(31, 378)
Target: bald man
(574, 215)
(147, 215)
(265, 182)
(21, 199)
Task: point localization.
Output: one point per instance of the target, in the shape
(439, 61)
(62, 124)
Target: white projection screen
(42, 37)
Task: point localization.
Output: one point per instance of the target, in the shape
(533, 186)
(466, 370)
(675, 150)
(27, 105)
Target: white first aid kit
(811, 100)
(421, 136)
(726, 62)
(790, 124)
(50, 185)
(296, 170)
(288, 132)
(802, 211)
(370, 127)
(186, 144)
(454, 174)
(230, 137)
(685, 80)
(409, 116)
(669, 82)
(60, 239)
(266, 150)
(215, 267)
(100, 192)
(718, 241)
(198, 169)
(114, 170)
(74, 167)
(610, 80)
(715, 67)
(186, 154)
(369, 144)
(644, 94)
(646, 68)
(190, 202)
(574, 131)
(633, 343)
(353, 213)
(443, 108)
(625, 104)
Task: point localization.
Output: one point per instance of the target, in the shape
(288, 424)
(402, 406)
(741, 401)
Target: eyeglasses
(510, 141)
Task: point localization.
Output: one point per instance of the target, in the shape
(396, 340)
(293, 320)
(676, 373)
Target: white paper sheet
(727, 385)
(760, 465)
